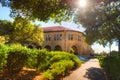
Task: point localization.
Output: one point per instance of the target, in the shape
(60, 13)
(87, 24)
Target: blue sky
(4, 15)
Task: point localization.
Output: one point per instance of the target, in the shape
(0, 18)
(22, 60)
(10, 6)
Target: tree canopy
(43, 10)
(101, 20)
(21, 31)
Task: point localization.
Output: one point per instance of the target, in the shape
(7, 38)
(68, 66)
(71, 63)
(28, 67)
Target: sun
(82, 3)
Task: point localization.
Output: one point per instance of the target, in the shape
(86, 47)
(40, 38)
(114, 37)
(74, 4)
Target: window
(47, 37)
(70, 37)
(58, 37)
(79, 38)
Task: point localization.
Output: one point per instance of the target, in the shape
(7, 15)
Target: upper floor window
(58, 37)
(70, 37)
(79, 38)
(47, 37)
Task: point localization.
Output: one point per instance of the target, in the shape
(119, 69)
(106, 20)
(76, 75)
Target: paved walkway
(88, 71)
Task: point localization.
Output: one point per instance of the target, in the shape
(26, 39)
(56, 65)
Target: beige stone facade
(59, 38)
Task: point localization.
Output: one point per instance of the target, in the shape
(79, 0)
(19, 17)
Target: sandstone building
(58, 38)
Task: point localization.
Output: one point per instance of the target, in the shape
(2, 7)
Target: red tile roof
(56, 28)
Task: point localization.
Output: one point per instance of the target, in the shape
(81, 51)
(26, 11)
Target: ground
(90, 70)
(25, 74)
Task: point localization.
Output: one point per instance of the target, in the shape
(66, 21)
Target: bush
(57, 56)
(54, 64)
(42, 60)
(60, 63)
(111, 66)
(58, 69)
(3, 55)
(17, 58)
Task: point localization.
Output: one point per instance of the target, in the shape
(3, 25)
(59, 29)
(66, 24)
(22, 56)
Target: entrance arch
(48, 48)
(58, 48)
(30, 46)
(38, 47)
(74, 48)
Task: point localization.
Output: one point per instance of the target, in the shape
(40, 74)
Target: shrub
(57, 56)
(3, 55)
(60, 63)
(42, 60)
(32, 60)
(58, 69)
(17, 58)
(111, 66)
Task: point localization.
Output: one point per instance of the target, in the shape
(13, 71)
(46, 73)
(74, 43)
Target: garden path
(90, 70)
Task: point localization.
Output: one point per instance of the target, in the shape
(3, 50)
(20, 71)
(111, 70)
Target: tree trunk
(119, 46)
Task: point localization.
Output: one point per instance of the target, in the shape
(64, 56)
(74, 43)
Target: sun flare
(82, 3)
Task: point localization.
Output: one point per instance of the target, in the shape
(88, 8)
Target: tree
(6, 29)
(101, 20)
(25, 32)
(98, 18)
(42, 10)
(22, 31)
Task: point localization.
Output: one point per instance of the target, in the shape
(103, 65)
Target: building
(58, 38)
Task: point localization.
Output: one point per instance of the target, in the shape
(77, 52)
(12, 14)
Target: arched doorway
(58, 48)
(48, 48)
(74, 49)
(38, 47)
(30, 46)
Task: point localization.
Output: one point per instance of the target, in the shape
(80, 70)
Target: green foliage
(101, 58)
(39, 59)
(42, 10)
(17, 58)
(111, 66)
(60, 63)
(58, 69)
(21, 30)
(2, 40)
(4, 50)
(53, 64)
(25, 32)
(114, 53)
(101, 20)
(5, 27)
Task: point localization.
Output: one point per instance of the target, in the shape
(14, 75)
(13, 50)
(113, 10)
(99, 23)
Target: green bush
(111, 66)
(32, 60)
(43, 58)
(3, 55)
(17, 58)
(54, 64)
(58, 69)
(60, 63)
(100, 58)
(57, 56)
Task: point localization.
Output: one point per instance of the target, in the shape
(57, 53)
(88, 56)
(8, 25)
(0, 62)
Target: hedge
(53, 65)
(111, 65)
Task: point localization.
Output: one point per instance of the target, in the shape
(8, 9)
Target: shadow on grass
(94, 73)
